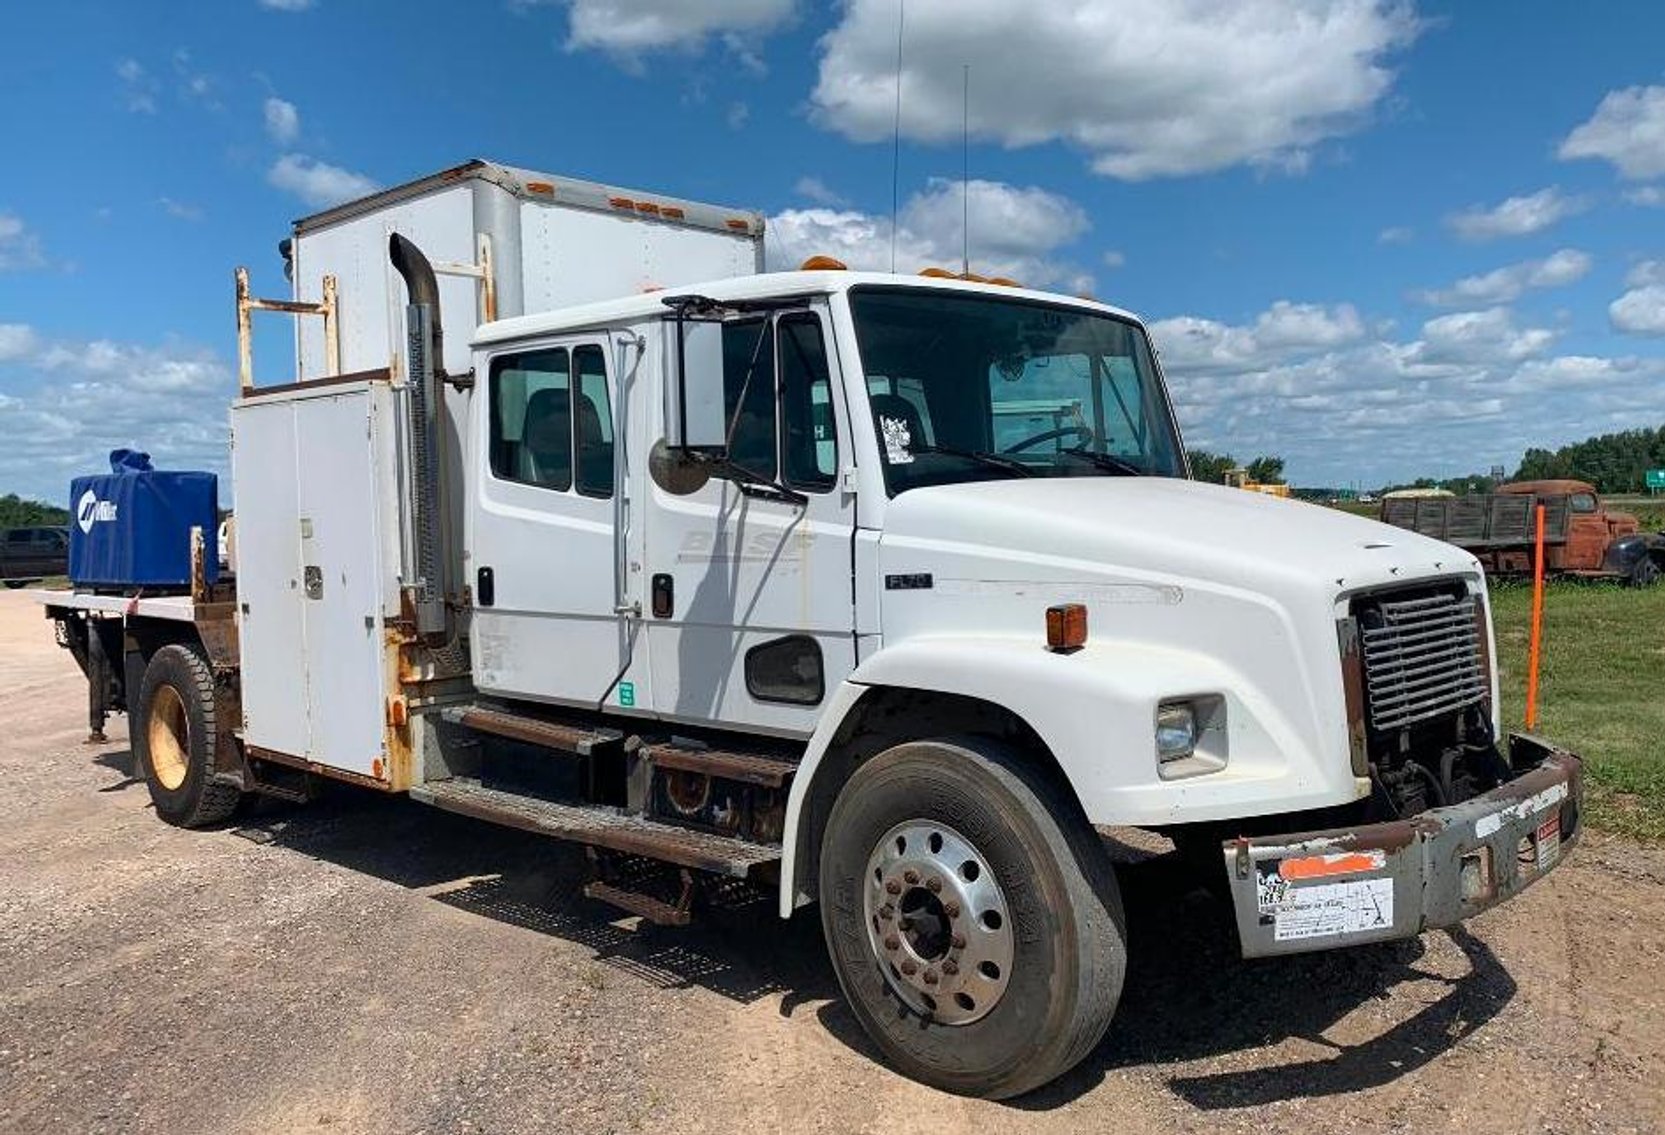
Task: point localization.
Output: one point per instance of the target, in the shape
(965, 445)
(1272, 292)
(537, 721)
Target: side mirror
(698, 419)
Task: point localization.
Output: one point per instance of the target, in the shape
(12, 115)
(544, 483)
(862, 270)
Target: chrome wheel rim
(938, 922)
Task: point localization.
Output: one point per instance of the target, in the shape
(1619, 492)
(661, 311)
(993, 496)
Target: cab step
(581, 740)
(746, 768)
(598, 826)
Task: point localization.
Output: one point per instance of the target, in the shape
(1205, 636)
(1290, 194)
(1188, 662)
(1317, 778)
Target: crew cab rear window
(552, 419)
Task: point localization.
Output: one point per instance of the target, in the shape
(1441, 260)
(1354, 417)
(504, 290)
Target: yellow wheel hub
(169, 736)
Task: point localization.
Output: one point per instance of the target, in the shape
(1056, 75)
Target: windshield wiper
(993, 460)
(1105, 461)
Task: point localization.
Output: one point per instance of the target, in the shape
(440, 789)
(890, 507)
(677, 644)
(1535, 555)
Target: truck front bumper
(1375, 882)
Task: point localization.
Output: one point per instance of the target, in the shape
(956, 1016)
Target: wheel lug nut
(892, 942)
(950, 967)
(959, 941)
(893, 888)
(887, 912)
(930, 977)
(909, 968)
(933, 885)
(912, 877)
(951, 909)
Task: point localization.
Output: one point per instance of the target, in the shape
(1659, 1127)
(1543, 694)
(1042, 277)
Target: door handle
(485, 587)
(664, 595)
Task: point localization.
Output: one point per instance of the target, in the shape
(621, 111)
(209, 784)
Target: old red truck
(1582, 536)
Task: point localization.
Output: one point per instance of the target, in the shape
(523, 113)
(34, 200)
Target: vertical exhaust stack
(425, 369)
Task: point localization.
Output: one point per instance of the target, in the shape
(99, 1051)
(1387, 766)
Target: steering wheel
(1079, 431)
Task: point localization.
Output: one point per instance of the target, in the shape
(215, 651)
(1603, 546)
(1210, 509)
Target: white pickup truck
(733, 576)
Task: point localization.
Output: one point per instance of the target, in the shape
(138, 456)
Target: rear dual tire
(907, 830)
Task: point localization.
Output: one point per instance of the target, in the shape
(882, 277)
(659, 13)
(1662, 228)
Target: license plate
(1549, 842)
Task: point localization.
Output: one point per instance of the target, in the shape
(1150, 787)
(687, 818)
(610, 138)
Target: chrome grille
(1421, 657)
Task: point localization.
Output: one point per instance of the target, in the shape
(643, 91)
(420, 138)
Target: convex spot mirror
(697, 423)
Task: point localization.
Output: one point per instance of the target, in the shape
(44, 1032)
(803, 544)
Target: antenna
(896, 145)
(965, 172)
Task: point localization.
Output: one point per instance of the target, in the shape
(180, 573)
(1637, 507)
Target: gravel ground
(367, 964)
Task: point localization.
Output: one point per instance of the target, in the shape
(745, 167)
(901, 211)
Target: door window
(552, 419)
(593, 424)
(749, 395)
(1583, 502)
(531, 418)
(809, 433)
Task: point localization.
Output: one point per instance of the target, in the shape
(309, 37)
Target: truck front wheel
(972, 917)
(176, 738)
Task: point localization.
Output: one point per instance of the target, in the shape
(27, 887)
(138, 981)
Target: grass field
(1601, 691)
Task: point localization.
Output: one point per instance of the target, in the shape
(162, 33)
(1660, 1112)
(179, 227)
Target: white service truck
(885, 593)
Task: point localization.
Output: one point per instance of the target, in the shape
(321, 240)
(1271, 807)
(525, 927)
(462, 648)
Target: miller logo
(90, 511)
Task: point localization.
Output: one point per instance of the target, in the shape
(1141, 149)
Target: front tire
(972, 917)
(17, 584)
(1645, 573)
(176, 739)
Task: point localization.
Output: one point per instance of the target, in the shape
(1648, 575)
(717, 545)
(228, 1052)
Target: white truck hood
(1165, 529)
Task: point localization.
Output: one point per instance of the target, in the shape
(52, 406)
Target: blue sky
(1381, 239)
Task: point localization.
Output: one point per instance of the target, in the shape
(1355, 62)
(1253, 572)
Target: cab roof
(767, 285)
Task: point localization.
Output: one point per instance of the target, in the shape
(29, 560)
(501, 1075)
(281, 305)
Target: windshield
(966, 387)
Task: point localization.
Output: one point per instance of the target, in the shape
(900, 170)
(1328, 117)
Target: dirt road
(364, 964)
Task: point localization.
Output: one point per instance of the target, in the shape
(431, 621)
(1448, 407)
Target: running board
(746, 768)
(597, 826)
(535, 730)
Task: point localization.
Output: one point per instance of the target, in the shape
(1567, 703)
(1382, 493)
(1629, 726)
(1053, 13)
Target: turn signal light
(1066, 627)
(823, 264)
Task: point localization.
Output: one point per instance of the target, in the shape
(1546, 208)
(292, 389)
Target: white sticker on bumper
(1359, 906)
(1488, 824)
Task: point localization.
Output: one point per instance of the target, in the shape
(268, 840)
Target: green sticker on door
(627, 693)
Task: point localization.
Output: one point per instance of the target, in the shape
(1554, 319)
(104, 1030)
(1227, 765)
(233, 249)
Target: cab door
(542, 549)
(751, 620)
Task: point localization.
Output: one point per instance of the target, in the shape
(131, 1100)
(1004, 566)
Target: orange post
(1536, 649)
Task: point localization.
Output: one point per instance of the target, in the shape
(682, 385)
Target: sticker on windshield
(897, 439)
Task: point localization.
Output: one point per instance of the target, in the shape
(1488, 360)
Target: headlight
(1176, 731)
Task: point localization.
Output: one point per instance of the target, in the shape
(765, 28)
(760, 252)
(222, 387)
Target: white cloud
(283, 121)
(287, 5)
(1114, 259)
(1284, 330)
(1511, 281)
(1645, 272)
(1515, 216)
(1488, 336)
(633, 27)
(139, 87)
(1148, 88)
(19, 246)
(1015, 232)
(1344, 404)
(70, 402)
(1640, 311)
(738, 114)
(317, 183)
(816, 190)
(17, 340)
(1651, 196)
(1627, 129)
(181, 210)
(1396, 234)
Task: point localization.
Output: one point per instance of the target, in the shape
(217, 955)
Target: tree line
(15, 512)
(1613, 463)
